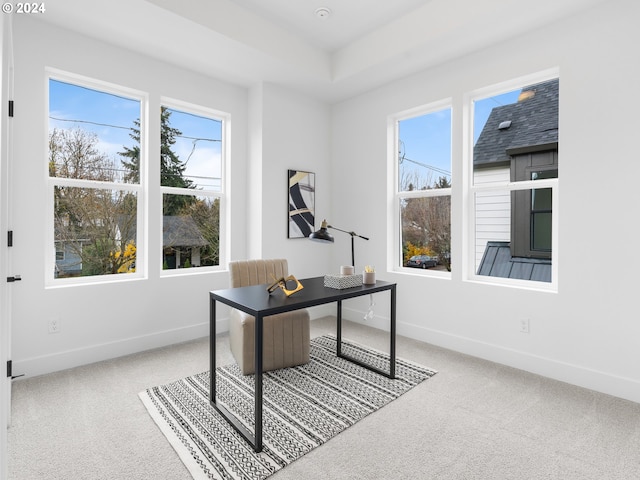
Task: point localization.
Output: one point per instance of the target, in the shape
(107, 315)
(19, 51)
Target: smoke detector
(323, 12)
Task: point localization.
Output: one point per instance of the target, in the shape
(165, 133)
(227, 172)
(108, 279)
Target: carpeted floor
(304, 406)
(473, 420)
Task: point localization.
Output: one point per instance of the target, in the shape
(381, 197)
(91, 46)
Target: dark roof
(498, 262)
(181, 231)
(534, 126)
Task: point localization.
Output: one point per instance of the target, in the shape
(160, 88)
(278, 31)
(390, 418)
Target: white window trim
(470, 189)
(139, 189)
(222, 194)
(394, 233)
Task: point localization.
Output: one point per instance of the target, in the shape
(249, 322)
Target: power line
(89, 122)
(199, 138)
(72, 120)
(430, 167)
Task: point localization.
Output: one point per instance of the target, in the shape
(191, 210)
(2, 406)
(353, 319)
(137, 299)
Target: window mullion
(80, 183)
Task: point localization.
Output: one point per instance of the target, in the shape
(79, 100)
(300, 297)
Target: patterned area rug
(303, 407)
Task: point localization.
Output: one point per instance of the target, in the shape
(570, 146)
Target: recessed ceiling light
(323, 12)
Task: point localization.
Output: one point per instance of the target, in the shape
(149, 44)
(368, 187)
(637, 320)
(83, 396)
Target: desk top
(256, 300)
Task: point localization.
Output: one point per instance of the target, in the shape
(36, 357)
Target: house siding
(493, 210)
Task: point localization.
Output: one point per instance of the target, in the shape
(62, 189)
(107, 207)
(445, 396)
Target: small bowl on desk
(347, 270)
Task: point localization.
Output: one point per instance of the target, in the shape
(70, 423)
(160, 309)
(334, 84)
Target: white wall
(295, 136)
(106, 320)
(587, 333)
(291, 131)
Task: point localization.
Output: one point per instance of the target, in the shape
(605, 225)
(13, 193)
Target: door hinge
(10, 238)
(11, 108)
(15, 278)
(10, 371)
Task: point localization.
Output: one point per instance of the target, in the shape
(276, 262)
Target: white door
(5, 256)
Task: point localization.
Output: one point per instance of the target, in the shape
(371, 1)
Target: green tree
(171, 167)
(132, 166)
(205, 212)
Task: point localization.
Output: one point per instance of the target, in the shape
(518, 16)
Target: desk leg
(212, 350)
(339, 329)
(254, 439)
(258, 382)
(392, 342)
(392, 346)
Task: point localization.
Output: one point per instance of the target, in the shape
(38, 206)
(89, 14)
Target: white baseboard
(44, 364)
(580, 376)
(603, 382)
(599, 381)
(322, 311)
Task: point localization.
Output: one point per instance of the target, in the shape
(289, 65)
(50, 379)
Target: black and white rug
(303, 407)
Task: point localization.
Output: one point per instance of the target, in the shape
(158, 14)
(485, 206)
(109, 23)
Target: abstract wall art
(302, 197)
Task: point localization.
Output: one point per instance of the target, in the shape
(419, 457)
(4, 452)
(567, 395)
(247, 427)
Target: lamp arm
(353, 234)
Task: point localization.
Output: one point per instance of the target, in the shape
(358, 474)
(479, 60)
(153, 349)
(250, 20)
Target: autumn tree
(206, 214)
(92, 224)
(426, 221)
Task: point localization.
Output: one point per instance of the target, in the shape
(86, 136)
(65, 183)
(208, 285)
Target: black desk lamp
(323, 235)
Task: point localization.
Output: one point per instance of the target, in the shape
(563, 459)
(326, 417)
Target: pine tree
(171, 167)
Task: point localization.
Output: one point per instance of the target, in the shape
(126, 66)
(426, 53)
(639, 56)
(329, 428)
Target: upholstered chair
(285, 336)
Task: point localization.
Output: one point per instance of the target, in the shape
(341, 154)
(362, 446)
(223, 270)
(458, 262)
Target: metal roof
(498, 262)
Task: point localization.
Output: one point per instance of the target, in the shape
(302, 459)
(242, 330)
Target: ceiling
(346, 21)
(361, 45)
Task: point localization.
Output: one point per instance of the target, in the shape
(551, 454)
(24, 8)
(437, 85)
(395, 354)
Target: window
(514, 182)
(95, 206)
(191, 173)
(423, 188)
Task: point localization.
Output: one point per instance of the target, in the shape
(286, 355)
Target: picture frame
(301, 209)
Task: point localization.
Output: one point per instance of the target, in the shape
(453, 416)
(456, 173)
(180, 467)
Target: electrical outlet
(524, 325)
(54, 325)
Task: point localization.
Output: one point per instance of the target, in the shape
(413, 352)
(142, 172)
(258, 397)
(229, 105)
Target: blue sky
(426, 140)
(110, 117)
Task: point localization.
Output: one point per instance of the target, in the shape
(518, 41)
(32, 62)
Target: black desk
(256, 301)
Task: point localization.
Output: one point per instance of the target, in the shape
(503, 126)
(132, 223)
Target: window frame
(395, 259)
(522, 228)
(470, 189)
(221, 195)
(139, 189)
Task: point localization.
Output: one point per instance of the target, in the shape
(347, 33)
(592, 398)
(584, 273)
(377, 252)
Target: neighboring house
(181, 240)
(518, 142)
(68, 253)
(68, 262)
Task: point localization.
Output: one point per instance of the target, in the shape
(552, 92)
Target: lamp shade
(322, 235)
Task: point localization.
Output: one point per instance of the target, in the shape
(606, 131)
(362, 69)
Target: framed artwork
(302, 198)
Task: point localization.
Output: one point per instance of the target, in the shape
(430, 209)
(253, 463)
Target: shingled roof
(181, 231)
(533, 127)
